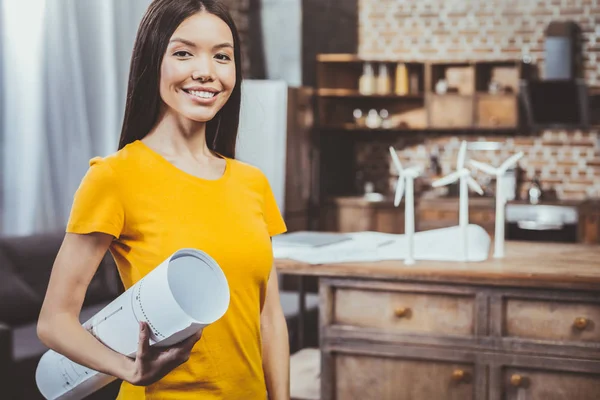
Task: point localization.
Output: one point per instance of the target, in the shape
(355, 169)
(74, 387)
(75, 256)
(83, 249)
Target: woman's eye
(223, 57)
(181, 53)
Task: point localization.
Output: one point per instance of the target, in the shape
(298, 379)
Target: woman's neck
(177, 135)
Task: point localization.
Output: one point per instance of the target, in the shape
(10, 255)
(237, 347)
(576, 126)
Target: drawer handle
(581, 323)
(459, 375)
(516, 380)
(402, 312)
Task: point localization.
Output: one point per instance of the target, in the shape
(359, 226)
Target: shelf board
(354, 58)
(450, 94)
(487, 94)
(338, 58)
(474, 95)
(350, 129)
(350, 93)
(349, 57)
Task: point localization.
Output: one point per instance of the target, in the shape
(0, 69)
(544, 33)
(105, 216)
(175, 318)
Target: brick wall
(458, 29)
(428, 30)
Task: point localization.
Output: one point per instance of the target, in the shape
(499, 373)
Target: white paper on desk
(441, 245)
(184, 294)
(360, 243)
(435, 245)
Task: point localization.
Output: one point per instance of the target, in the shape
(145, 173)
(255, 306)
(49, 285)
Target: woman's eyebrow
(184, 41)
(192, 44)
(223, 45)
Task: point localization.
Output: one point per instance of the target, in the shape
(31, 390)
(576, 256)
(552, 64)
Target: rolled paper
(180, 297)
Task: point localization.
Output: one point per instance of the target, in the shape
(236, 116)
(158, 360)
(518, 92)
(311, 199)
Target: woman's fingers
(153, 364)
(192, 340)
(144, 341)
(179, 353)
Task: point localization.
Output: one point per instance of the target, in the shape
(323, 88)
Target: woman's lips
(202, 100)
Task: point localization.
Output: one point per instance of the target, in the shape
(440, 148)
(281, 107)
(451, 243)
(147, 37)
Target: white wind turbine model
(500, 197)
(466, 179)
(408, 175)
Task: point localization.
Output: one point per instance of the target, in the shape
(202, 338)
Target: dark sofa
(25, 266)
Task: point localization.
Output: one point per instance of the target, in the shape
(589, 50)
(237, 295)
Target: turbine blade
(450, 178)
(474, 185)
(399, 191)
(510, 162)
(488, 169)
(396, 160)
(462, 153)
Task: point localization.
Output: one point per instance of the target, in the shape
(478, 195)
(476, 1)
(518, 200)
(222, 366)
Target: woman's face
(197, 74)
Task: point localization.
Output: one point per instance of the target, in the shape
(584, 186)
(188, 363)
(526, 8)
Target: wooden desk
(523, 327)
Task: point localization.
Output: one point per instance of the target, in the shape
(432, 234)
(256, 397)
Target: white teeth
(202, 94)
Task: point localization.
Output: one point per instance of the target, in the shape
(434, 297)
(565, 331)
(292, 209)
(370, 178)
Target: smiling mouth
(201, 94)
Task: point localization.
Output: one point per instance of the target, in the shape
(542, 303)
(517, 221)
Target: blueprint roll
(184, 294)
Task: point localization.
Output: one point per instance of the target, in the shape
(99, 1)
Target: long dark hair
(143, 96)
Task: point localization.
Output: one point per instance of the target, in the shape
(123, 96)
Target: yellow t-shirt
(153, 209)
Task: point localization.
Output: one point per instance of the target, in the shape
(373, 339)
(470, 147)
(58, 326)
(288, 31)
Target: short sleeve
(97, 204)
(273, 218)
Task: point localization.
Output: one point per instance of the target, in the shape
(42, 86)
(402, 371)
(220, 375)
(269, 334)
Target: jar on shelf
(373, 120)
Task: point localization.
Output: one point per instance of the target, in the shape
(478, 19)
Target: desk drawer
(382, 378)
(521, 383)
(552, 320)
(407, 312)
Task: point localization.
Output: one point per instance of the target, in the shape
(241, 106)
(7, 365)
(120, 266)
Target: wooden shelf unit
(467, 108)
(467, 105)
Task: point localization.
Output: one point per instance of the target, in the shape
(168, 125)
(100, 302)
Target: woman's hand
(153, 363)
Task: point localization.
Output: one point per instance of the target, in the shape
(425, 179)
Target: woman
(174, 183)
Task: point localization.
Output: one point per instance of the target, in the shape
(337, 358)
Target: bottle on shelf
(519, 181)
(509, 184)
(401, 88)
(366, 83)
(435, 168)
(535, 193)
(383, 80)
(414, 83)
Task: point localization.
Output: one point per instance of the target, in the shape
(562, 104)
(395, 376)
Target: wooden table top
(526, 264)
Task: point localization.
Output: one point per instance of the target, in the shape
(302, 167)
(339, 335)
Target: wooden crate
(450, 111)
(496, 111)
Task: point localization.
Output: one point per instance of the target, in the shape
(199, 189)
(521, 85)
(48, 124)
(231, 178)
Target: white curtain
(281, 22)
(65, 69)
(22, 111)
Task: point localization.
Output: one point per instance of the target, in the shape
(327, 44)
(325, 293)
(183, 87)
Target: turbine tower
(466, 181)
(406, 178)
(500, 197)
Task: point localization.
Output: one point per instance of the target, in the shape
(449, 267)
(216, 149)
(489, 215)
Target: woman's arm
(275, 343)
(59, 327)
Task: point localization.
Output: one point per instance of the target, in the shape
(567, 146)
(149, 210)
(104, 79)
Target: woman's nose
(204, 70)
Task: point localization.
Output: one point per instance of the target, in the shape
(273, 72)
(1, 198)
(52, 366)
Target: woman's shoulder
(118, 161)
(247, 171)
